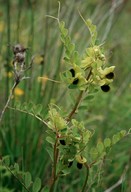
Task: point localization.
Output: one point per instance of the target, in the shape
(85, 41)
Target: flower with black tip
(105, 88)
(110, 75)
(80, 161)
(62, 142)
(79, 165)
(72, 72)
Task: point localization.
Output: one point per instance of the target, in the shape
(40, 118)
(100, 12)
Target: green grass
(21, 136)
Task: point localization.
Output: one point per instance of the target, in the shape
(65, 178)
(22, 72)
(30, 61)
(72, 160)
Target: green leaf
(51, 133)
(94, 153)
(122, 133)
(89, 97)
(6, 160)
(50, 140)
(107, 142)
(116, 138)
(17, 104)
(93, 32)
(83, 107)
(24, 106)
(37, 109)
(65, 171)
(27, 179)
(16, 167)
(50, 151)
(45, 189)
(71, 86)
(100, 147)
(36, 185)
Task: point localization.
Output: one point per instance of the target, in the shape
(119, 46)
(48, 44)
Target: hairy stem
(9, 98)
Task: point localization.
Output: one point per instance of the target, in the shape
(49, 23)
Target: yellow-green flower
(103, 77)
(80, 159)
(78, 81)
(108, 72)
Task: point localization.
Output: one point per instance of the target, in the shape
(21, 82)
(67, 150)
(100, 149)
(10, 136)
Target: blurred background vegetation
(22, 137)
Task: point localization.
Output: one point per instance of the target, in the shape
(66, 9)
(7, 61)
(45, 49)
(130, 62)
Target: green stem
(78, 100)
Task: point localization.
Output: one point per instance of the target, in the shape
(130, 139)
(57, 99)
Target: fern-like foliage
(34, 110)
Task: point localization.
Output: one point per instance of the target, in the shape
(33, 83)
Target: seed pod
(105, 88)
(62, 142)
(79, 165)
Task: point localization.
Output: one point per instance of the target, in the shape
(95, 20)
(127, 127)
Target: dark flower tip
(62, 142)
(70, 164)
(79, 165)
(75, 82)
(72, 72)
(105, 88)
(110, 75)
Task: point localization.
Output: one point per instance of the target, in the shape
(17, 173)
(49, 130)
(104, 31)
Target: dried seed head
(18, 49)
(20, 57)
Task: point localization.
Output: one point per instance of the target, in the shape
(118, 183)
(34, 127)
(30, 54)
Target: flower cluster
(95, 60)
(88, 70)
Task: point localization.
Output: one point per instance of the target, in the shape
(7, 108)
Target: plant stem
(9, 98)
(78, 100)
(75, 107)
(86, 179)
